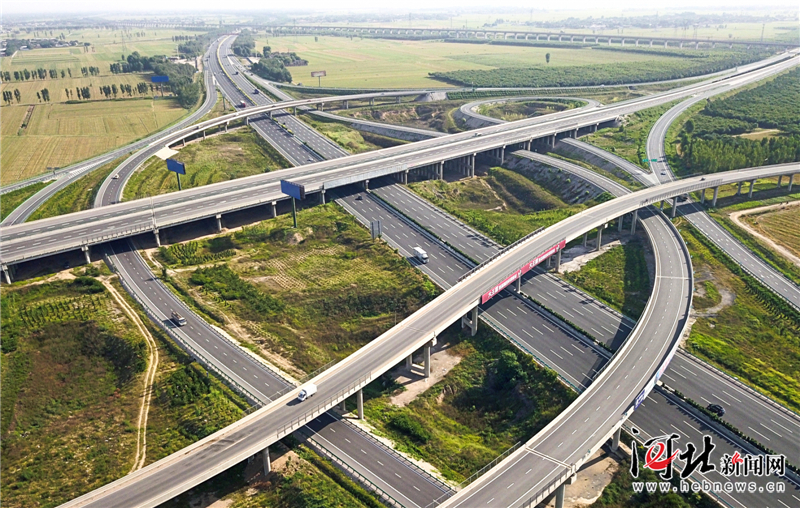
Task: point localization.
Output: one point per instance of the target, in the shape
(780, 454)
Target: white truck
(178, 319)
(421, 255)
(307, 391)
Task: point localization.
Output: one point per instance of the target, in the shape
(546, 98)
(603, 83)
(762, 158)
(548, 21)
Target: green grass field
(308, 295)
(746, 339)
(511, 111)
(433, 115)
(217, 159)
(780, 226)
(366, 63)
(352, 140)
(619, 277)
(495, 397)
(58, 135)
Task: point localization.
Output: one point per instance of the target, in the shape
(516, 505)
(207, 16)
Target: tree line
(181, 76)
(40, 73)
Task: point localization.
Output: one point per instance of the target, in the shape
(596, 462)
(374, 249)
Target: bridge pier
(426, 357)
(360, 404)
(366, 185)
(585, 238)
(702, 196)
(204, 134)
(405, 177)
(440, 171)
(6, 274)
(752, 184)
(661, 206)
(226, 126)
(409, 361)
(633, 222)
(674, 207)
(560, 491)
(346, 105)
(791, 181)
(322, 197)
(780, 181)
(558, 261)
(267, 463)
(615, 440)
(219, 222)
(158, 238)
(343, 405)
(600, 236)
(86, 253)
(716, 193)
(246, 122)
(471, 321)
(739, 189)
(620, 223)
(274, 209)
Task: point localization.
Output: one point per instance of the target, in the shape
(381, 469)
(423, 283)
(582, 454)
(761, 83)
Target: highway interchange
(479, 248)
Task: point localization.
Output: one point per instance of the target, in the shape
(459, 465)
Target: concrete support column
(343, 406)
(322, 197)
(398, 99)
(621, 223)
(739, 189)
(158, 238)
(366, 185)
(409, 361)
(372, 102)
(752, 184)
(633, 222)
(267, 463)
(553, 141)
(558, 261)
(615, 440)
(661, 206)
(85, 250)
(405, 177)
(503, 154)
(204, 134)
(440, 171)
(246, 122)
(599, 237)
(471, 321)
(219, 222)
(560, 496)
(274, 209)
(472, 164)
(270, 115)
(585, 238)
(346, 105)
(780, 181)
(6, 275)
(426, 356)
(518, 283)
(791, 181)
(226, 126)
(360, 404)
(716, 193)
(183, 141)
(674, 207)
(702, 196)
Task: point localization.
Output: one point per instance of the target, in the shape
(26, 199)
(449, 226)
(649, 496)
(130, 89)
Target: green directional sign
(653, 160)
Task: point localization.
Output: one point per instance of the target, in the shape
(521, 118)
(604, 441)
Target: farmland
(281, 290)
(218, 158)
(381, 63)
(61, 134)
(780, 226)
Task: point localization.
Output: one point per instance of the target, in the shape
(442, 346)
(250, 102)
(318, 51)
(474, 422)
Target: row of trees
(113, 90)
(181, 76)
(728, 153)
(8, 96)
(40, 73)
(43, 95)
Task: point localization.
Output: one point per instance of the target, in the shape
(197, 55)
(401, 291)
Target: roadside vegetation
(495, 397)
(301, 297)
(77, 196)
(629, 140)
(436, 116)
(520, 110)
(11, 200)
(618, 277)
(222, 157)
(661, 65)
(504, 204)
(352, 140)
(754, 127)
(750, 333)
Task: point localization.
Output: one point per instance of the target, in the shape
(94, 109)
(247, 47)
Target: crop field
(379, 63)
(780, 226)
(302, 296)
(217, 159)
(56, 87)
(434, 115)
(61, 134)
(751, 337)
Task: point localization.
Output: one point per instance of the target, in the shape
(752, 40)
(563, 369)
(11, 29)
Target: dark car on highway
(716, 409)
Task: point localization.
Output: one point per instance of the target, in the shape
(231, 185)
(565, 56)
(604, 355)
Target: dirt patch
(590, 481)
(413, 379)
(728, 298)
(735, 216)
(575, 258)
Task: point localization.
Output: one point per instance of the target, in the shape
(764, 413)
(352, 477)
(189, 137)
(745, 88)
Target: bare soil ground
(736, 216)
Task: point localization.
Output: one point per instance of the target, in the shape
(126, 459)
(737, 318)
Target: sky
(197, 6)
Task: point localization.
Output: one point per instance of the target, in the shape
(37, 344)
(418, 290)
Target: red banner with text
(520, 272)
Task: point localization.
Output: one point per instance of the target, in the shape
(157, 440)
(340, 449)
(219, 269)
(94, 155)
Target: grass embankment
(619, 277)
(436, 116)
(352, 140)
(57, 135)
(504, 205)
(629, 140)
(755, 338)
(520, 110)
(217, 159)
(77, 196)
(495, 397)
(307, 295)
(11, 200)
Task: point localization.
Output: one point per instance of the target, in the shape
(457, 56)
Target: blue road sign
(294, 190)
(159, 79)
(176, 167)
